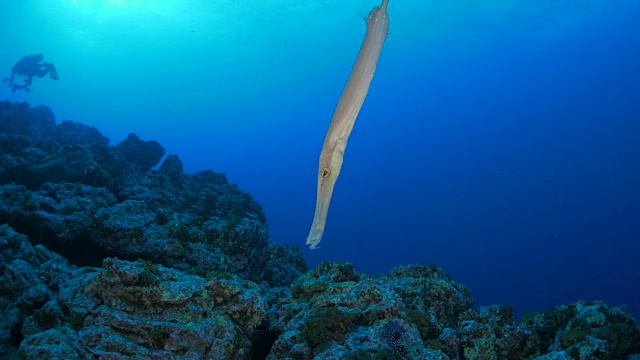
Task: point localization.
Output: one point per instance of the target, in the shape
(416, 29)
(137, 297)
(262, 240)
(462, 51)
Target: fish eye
(325, 172)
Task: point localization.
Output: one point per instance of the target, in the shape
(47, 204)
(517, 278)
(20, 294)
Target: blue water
(500, 141)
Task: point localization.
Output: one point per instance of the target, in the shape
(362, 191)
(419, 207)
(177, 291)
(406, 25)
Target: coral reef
(417, 312)
(101, 257)
(145, 154)
(64, 187)
(140, 309)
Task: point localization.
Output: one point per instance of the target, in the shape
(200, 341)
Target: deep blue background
(502, 143)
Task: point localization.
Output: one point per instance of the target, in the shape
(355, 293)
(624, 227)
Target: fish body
(344, 117)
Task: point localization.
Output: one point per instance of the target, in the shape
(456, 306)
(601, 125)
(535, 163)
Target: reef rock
(51, 310)
(418, 312)
(64, 187)
(145, 154)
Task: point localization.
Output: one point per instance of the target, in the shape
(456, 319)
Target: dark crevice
(80, 252)
(16, 337)
(262, 340)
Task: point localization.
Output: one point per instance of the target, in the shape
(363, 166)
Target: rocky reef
(64, 187)
(102, 257)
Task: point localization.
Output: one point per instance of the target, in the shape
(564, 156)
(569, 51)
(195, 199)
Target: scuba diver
(28, 67)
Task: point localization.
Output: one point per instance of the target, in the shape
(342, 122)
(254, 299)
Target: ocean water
(500, 139)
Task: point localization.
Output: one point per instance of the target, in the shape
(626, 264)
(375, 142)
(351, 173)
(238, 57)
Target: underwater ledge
(103, 257)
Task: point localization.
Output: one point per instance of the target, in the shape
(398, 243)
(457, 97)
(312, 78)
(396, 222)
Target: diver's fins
(54, 74)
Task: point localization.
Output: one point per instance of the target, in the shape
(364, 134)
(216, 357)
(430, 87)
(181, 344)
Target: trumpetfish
(344, 117)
